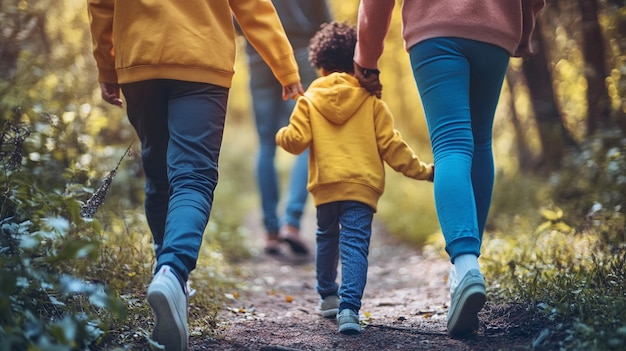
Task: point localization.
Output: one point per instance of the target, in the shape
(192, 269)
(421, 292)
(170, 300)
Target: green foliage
(592, 182)
(568, 261)
(572, 278)
(43, 306)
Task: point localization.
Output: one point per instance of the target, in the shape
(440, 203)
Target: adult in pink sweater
(459, 51)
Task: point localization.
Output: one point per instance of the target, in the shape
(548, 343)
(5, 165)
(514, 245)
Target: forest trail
(404, 304)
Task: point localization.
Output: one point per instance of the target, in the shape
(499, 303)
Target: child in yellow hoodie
(351, 135)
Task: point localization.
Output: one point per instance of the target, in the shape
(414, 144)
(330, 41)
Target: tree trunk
(525, 158)
(552, 132)
(598, 103)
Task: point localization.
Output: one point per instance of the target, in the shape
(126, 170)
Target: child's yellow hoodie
(184, 40)
(350, 134)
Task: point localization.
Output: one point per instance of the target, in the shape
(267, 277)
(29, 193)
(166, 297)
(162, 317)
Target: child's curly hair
(332, 47)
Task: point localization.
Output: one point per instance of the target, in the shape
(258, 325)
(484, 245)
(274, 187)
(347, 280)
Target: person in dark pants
(174, 61)
(301, 19)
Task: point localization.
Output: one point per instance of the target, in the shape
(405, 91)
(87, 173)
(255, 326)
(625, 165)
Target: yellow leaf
(551, 215)
(543, 226)
(288, 298)
(562, 227)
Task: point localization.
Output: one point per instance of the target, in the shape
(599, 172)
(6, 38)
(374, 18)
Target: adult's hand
(368, 78)
(292, 91)
(111, 93)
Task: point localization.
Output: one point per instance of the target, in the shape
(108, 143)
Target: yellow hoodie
(350, 134)
(137, 40)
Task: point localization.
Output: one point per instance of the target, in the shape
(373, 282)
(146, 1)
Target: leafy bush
(592, 181)
(43, 305)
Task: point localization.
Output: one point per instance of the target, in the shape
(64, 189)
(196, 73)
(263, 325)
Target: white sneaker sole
(330, 313)
(349, 328)
(463, 317)
(169, 329)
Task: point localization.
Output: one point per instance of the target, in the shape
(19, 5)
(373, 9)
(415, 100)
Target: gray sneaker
(329, 306)
(168, 301)
(466, 301)
(348, 322)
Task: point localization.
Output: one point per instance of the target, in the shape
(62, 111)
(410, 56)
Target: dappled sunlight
(60, 141)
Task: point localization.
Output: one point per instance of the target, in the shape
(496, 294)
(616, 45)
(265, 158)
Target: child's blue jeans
(344, 229)
(459, 81)
(180, 126)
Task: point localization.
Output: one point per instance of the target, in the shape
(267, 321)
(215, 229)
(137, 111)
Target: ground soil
(404, 306)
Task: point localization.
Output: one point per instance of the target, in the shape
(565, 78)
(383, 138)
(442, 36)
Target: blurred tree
(571, 91)
(598, 104)
(526, 158)
(22, 34)
(553, 134)
(616, 29)
(47, 71)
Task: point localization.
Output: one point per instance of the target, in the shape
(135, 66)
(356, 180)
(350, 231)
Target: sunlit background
(558, 143)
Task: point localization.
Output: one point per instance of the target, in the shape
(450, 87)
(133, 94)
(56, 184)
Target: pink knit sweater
(505, 23)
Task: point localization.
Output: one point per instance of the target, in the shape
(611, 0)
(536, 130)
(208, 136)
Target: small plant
(97, 199)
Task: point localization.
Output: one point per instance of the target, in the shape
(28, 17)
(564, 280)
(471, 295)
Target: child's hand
(292, 91)
(432, 176)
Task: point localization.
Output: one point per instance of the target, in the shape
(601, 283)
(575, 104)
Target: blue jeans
(180, 126)
(271, 113)
(459, 81)
(344, 229)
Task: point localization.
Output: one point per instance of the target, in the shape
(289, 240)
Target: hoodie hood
(336, 96)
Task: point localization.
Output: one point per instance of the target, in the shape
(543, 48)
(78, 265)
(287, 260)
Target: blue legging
(459, 81)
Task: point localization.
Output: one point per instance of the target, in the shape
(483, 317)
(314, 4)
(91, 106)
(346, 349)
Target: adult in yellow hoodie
(173, 61)
(350, 135)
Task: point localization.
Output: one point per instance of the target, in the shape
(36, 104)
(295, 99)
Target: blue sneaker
(467, 299)
(348, 322)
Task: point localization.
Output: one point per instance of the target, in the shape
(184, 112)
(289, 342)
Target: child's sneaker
(329, 306)
(168, 301)
(467, 299)
(348, 322)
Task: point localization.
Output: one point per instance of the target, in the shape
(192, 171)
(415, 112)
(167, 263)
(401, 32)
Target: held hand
(292, 91)
(111, 93)
(368, 78)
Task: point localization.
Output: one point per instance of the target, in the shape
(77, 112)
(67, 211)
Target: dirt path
(404, 306)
